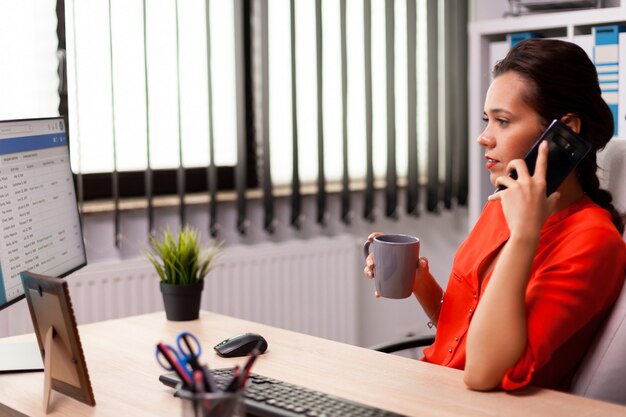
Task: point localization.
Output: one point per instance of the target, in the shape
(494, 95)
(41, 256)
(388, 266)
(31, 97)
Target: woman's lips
(490, 163)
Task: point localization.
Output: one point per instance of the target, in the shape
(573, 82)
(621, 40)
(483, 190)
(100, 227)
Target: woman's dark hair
(564, 80)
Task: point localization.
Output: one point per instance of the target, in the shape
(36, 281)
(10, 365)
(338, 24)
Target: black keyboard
(268, 397)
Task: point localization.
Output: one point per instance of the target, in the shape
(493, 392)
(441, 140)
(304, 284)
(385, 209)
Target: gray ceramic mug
(395, 262)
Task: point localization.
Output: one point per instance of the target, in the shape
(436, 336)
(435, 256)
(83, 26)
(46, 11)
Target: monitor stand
(20, 357)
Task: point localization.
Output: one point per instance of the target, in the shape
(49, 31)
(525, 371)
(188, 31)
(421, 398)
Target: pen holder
(212, 404)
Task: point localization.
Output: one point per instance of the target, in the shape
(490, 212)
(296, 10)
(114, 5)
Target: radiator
(309, 286)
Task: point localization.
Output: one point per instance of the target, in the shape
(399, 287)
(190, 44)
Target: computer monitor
(40, 229)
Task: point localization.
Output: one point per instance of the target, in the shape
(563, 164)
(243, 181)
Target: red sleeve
(572, 282)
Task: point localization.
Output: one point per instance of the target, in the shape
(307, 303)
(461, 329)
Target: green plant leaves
(178, 260)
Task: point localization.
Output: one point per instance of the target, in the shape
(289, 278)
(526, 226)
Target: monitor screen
(40, 226)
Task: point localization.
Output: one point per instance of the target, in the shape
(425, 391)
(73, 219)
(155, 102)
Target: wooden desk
(124, 375)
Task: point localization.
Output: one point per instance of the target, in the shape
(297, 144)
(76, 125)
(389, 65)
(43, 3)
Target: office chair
(409, 342)
(602, 373)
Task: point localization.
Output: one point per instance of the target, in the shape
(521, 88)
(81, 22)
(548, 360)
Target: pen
(175, 364)
(209, 381)
(248, 366)
(198, 385)
(198, 381)
(234, 383)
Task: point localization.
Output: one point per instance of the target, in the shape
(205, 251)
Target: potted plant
(182, 268)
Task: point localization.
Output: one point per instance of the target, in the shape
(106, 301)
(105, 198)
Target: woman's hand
(368, 271)
(422, 271)
(524, 201)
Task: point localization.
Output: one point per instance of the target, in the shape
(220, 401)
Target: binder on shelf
(606, 58)
(514, 38)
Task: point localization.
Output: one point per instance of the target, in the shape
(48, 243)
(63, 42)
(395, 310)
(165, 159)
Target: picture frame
(65, 368)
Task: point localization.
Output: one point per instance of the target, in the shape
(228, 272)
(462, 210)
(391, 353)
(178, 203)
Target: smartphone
(565, 151)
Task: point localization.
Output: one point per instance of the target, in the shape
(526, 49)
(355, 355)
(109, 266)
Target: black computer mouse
(240, 345)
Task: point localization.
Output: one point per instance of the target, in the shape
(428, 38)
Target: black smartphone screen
(565, 151)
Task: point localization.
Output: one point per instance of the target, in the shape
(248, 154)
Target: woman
(536, 276)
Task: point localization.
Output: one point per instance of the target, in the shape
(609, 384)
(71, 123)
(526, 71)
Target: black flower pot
(182, 302)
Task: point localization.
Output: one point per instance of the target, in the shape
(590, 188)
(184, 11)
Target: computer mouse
(240, 345)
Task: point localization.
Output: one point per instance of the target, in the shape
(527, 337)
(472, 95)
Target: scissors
(183, 358)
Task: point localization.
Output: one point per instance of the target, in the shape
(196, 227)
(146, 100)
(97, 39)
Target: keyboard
(268, 397)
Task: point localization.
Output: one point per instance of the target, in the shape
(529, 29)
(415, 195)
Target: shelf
(548, 21)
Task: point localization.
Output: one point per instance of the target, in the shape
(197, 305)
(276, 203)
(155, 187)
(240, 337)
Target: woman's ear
(572, 121)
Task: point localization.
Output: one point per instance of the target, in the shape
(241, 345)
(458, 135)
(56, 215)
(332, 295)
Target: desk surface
(124, 375)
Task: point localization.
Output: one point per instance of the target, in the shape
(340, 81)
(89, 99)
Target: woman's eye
(485, 119)
(502, 122)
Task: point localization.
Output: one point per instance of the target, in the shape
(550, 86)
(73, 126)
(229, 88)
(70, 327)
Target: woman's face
(512, 125)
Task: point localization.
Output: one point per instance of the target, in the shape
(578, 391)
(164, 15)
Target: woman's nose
(486, 140)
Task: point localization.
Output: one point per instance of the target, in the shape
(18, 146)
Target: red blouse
(576, 277)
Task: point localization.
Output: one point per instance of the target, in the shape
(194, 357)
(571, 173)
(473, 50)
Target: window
(138, 83)
(153, 86)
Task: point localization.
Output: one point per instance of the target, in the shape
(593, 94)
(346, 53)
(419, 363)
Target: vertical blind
(359, 90)
(346, 96)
